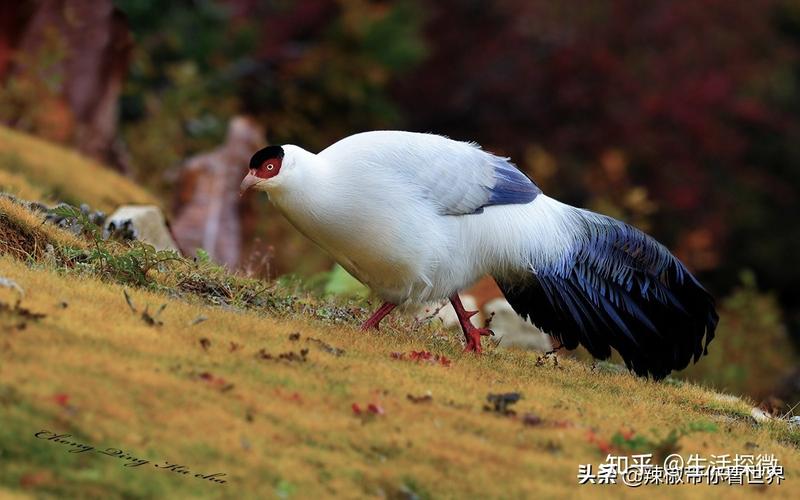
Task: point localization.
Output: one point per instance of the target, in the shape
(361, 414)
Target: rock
(512, 330)
(147, 223)
(209, 213)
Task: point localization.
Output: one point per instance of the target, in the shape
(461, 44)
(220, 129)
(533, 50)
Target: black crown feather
(268, 153)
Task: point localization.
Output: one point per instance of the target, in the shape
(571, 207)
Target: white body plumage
(364, 200)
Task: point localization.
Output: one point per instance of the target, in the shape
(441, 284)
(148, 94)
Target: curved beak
(249, 181)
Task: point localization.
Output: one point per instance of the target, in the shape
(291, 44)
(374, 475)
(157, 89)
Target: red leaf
(61, 399)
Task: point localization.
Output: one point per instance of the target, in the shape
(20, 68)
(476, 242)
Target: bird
(419, 217)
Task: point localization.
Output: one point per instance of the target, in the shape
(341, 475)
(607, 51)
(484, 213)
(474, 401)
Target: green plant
(131, 265)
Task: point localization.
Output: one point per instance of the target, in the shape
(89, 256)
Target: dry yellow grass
(97, 371)
(19, 185)
(24, 235)
(37, 169)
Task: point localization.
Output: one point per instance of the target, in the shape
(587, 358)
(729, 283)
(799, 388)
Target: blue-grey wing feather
(486, 180)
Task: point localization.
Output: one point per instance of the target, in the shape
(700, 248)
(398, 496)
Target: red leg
(376, 318)
(471, 332)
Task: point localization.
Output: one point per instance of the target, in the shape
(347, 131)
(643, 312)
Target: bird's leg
(376, 318)
(472, 333)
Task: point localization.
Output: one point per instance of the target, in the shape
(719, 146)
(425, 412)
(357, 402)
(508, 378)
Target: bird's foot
(473, 335)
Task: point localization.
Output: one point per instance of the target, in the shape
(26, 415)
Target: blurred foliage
(320, 89)
(197, 63)
(30, 100)
(181, 89)
(752, 351)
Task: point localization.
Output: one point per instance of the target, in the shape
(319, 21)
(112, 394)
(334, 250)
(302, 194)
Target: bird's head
(265, 168)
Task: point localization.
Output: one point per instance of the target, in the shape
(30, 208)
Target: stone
(147, 223)
(209, 213)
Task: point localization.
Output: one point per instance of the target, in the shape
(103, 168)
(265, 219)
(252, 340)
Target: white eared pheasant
(418, 217)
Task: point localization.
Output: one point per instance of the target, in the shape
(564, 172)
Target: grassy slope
(37, 170)
(287, 426)
(96, 370)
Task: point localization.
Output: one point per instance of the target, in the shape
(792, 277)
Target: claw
(472, 334)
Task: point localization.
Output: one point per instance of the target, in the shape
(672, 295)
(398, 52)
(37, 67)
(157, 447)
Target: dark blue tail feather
(619, 288)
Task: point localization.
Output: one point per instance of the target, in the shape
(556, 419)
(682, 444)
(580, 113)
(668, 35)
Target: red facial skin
(269, 168)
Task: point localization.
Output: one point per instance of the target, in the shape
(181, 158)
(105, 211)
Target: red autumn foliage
(602, 444)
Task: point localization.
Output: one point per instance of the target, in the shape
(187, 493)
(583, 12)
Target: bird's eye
(270, 166)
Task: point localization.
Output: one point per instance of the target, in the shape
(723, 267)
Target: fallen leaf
(531, 420)
(425, 398)
(500, 403)
(61, 399)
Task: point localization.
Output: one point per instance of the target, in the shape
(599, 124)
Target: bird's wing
(459, 178)
(465, 184)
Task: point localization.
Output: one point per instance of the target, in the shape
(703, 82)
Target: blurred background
(680, 117)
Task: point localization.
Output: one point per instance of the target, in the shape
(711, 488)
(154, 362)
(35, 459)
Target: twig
(129, 301)
(791, 410)
(198, 320)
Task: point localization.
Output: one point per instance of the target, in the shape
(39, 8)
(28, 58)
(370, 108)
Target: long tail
(614, 286)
